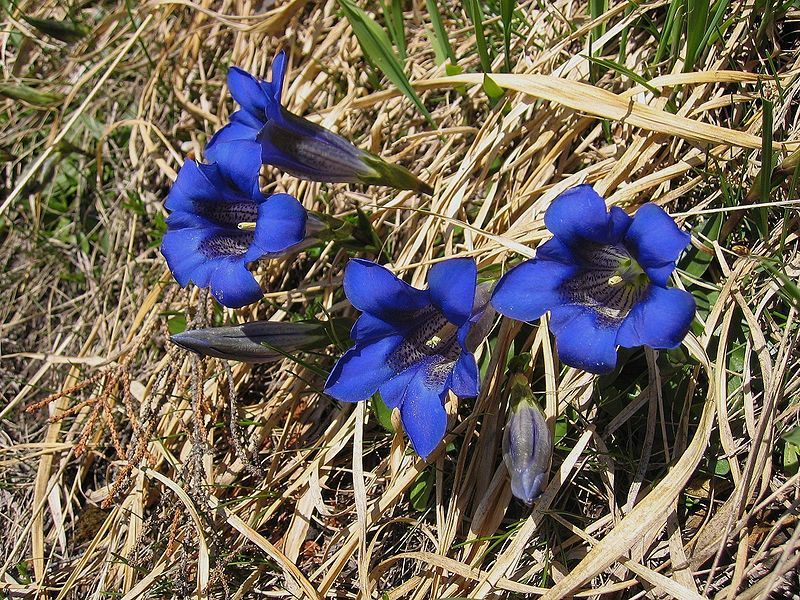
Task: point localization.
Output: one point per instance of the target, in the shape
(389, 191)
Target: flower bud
(256, 342)
(527, 443)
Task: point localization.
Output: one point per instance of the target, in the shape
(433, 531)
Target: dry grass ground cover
(130, 468)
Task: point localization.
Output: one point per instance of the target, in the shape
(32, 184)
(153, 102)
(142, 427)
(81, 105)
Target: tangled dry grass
(129, 468)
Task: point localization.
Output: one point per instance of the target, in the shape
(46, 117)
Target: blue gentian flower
(294, 144)
(413, 345)
(603, 277)
(220, 221)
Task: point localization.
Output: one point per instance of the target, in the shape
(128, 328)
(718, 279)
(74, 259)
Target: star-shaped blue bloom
(603, 277)
(204, 243)
(413, 345)
(295, 144)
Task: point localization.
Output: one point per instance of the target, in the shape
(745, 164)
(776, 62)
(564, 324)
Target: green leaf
(766, 167)
(441, 44)
(793, 436)
(790, 458)
(177, 324)
(722, 467)
(476, 15)
(378, 49)
(393, 14)
(421, 491)
(697, 260)
(494, 91)
(65, 31)
(382, 412)
(29, 95)
(506, 14)
(696, 19)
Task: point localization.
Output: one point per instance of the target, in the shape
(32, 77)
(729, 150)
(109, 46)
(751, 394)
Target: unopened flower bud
(527, 443)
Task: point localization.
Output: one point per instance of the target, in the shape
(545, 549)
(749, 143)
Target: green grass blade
(719, 13)
(622, 70)
(30, 95)
(393, 15)
(476, 15)
(442, 49)
(506, 14)
(596, 9)
(666, 30)
(696, 21)
(65, 30)
(377, 47)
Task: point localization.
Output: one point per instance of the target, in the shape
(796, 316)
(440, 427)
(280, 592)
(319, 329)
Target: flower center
(433, 337)
(611, 282)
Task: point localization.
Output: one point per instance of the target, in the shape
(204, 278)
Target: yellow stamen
(247, 226)
(433, 342)
(615, 280)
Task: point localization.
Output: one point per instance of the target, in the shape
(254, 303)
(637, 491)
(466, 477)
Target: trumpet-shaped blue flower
(603, 277)
(205, 243)
(294, 144)
(413, 345)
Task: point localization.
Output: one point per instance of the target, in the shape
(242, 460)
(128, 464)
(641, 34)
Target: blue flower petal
(180, 249)
(465, 380)
(531, 288)
(233, 132)
(582, 341)
(238, 165)
(274, 87)
(423, 414)
(619, 224)
(362, 370)
(233, 285)
(656, 241)
(660, 320)
(393, 391)
(181, 219)
(373, 289)
(192, 184)
(368, 328)
(281, 224)
(452, 288)
(247, 91)
(555, 250)
(580, 214)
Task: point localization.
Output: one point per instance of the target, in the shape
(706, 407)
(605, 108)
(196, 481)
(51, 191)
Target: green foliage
(382, 412)
(441, 44)
(378, 49)
(476, 16)
(66, 30)
(393, 15)
(421, 490)
(30, 95)
(506, 14)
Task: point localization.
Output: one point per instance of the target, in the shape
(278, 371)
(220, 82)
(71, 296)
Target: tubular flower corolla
(219, 222)
(413, 345)
(603, 277)
(295, 144)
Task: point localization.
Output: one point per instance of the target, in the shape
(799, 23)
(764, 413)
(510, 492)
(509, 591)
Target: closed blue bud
(603, 277)
(295, 144)
(527, 443)
(255, 342)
